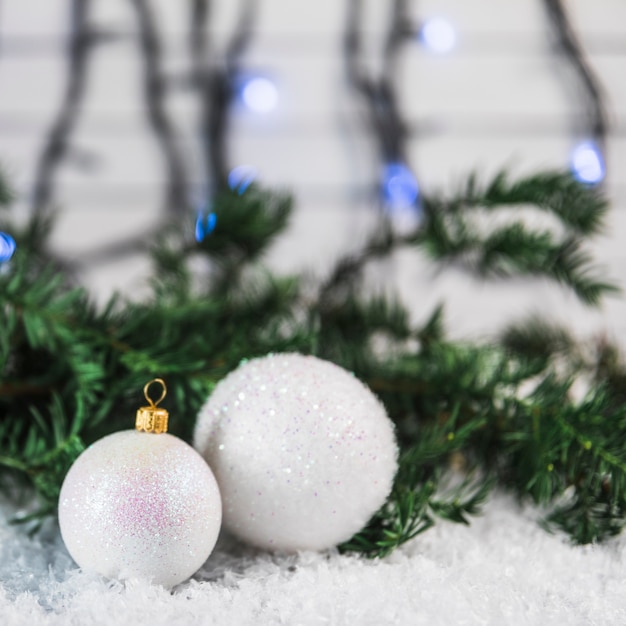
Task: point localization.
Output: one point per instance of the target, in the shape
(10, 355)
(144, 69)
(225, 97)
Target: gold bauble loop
(163, 392)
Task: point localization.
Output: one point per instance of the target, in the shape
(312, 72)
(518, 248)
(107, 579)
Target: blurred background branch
(155, 88)
(80, 46)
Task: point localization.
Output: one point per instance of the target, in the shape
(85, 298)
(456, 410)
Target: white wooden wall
(500, 99)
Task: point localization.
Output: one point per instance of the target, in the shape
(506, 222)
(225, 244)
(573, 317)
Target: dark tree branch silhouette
(569, 43)
(379, 94)
(176, 201)
(56, 146)
(214, 81)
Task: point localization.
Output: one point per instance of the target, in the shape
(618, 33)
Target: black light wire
(57, 143)
(596, 118)
(379, 95)
(215, 79)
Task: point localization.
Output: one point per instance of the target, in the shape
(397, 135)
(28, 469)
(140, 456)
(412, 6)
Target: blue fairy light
(205, 225)
(587, 163)
(7, 247)
(399, 186)
(259, 94)
(241, 177)
(438, 35)
(400, 194)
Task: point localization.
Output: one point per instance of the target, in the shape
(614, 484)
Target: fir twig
(454, 231)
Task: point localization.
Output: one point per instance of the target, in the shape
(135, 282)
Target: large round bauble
(140, 505)
(303, 452)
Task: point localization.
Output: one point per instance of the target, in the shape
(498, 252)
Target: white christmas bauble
(303, 452)
(138, 504)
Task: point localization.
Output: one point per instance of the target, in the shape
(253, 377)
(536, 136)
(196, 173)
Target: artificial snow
(503, 570)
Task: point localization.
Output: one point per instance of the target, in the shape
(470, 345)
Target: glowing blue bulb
(259, 94)
(438, 35)
(241, 177)
(587, 163)
(399, 186)
(204, 226)
(7, 247)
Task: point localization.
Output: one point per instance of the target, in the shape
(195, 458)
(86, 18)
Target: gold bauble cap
(151, 419)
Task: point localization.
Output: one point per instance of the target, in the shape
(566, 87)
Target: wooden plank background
(501, 98)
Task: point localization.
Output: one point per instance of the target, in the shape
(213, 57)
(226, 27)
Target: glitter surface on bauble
(140, 505)
(303, 452)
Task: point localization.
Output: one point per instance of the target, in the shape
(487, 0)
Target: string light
(241, 177)
(438, 35)
(7, 247)
(399, 186)
(259, 94)
(587, 163)
(400, 193)
(205, 226)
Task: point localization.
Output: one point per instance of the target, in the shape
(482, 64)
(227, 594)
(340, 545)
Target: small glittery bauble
(140, 505)
(303, 452)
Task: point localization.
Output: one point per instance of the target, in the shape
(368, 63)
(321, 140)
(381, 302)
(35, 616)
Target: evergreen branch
(352, 333)
(13, 463)
(419, 491)
(537, 338)
(586, 519)
(454, 233)
(245, 226)
(465, 500)
(580, 208)
(403, 518)
(573, 267)
(70, 373)
(551, 448)
(433, 330)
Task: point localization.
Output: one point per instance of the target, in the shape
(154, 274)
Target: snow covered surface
(502, 570)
